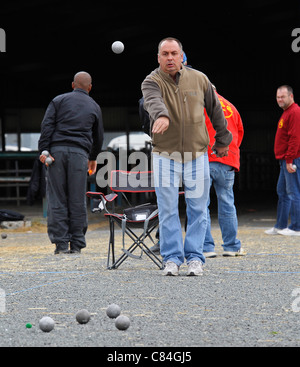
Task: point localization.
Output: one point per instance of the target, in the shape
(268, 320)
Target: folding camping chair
(137, 222)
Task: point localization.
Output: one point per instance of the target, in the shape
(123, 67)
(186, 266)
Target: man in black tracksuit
(72, 132)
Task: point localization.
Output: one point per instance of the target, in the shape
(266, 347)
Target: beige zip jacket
(183, 103)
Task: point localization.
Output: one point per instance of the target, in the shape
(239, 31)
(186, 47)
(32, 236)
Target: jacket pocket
(193, 107)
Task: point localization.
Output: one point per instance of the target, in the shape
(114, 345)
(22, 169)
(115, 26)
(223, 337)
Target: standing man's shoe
(209, 254)
(61, 249)
(74, 248)
(272, 231)
(288, 232)
(75, 251)
(195, 268)
(171, 269)
(240, 252)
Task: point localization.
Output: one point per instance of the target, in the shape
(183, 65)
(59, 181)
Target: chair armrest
(99, 195)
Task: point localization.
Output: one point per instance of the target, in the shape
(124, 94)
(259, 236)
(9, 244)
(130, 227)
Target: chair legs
(138, 242)
(111, 245)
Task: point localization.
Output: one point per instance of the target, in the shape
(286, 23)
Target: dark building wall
(245, 49)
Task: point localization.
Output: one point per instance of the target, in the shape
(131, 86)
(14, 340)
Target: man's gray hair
(289, 88)
(170, 39)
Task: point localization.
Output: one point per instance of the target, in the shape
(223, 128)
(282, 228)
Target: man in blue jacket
(72, 132)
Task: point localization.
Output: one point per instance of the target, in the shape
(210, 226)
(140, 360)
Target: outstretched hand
(160, 125)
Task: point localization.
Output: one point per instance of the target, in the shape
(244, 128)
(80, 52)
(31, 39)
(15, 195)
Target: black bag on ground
(10, 215)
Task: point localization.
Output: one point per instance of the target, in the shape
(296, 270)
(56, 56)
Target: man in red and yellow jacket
(235, 126)
(287, 152)
(222, 175)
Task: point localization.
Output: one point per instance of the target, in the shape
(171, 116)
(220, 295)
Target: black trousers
(66, 181)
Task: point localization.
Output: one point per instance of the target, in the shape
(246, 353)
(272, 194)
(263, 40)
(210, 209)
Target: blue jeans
(169, 175)
(288, 191)
(222, 178)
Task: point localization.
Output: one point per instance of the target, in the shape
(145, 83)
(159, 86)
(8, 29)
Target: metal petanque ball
(46, 324)
(113, 311)
(3, 235)
(83, 316)
(122, 322)
(45, 152)
(49, 161)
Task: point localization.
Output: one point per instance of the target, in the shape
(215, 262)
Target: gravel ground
(243, 301)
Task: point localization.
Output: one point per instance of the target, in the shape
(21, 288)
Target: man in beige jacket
(175, 97)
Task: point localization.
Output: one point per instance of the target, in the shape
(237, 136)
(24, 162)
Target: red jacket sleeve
(293, 137)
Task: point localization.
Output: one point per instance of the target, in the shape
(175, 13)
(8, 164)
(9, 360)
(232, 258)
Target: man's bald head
(82, 80)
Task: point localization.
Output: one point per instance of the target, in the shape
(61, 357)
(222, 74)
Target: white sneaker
(272, 231)
(289, 232)
(195, 268)
(240, 252)
(171, 269)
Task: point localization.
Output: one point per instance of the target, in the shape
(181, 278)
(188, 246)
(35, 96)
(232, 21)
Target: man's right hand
(160, 125)
(43, 158)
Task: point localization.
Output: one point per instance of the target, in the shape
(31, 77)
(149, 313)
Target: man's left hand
(289, 167)
(221, 151)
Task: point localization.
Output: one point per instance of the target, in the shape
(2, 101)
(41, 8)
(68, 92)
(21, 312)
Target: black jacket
(73, 119)
(37, 185)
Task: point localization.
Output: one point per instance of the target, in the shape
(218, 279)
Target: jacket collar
(80, 90)
(168, 77)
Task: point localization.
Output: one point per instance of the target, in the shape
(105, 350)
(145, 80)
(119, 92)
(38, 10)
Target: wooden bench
(15, 173)
(14, 179)
(17, 182)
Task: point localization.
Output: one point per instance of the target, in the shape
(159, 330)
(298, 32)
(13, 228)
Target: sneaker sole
(193, 274)
(233, 254)
(289, 234)
(170, 274)
(210, 256)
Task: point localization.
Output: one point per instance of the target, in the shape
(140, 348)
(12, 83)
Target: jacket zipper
(177, 90)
